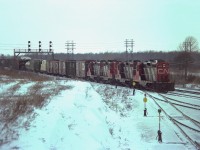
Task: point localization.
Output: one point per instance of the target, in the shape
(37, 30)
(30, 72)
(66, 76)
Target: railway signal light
(29, 46)
(145, 101)
(50, 46)
(159, 131)
(159, 111)
(145, 109)
(40, 46)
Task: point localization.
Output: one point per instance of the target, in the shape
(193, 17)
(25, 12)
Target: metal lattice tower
(129, 44)
(70, 46)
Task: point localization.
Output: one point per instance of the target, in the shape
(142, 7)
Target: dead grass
(15, 74)
(14, 88)
(35, 89)
(21, 106)
(13, 107)
(108, 93)
(17, 111)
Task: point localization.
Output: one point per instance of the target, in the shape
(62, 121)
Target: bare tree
(190, 44)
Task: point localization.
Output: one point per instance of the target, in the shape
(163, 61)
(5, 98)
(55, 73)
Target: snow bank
(73, 120)
(97, 117)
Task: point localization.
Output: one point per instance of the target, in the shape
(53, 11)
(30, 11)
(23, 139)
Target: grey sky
(98, 25)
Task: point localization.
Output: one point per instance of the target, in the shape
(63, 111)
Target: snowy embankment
(70, 121)
(95, 116)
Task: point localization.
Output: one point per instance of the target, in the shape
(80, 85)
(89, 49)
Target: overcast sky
(98, 25)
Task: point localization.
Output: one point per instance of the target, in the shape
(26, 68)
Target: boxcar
(80, 69)
(37, 65)
(62, 68)
(89, 65)
(48, 67)
(55, 67)
(43, 68)
(70, 68)
(33, 65)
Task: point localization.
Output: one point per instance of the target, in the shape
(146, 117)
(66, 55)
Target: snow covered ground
(90, 116)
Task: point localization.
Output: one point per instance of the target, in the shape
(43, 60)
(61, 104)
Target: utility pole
(129, 43)
(70, 46)
(188, 49)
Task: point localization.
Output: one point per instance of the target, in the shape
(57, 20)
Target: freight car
(33, 65)
(151, 75)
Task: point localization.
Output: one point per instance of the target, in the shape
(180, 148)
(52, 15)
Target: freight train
(151, 75)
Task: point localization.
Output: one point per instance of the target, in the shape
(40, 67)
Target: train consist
(151, 75)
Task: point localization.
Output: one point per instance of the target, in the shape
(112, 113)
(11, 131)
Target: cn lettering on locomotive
(163, 71)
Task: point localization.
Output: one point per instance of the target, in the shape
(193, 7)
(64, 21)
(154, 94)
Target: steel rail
(194, 143)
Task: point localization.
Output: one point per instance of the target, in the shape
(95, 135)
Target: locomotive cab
(156, 76)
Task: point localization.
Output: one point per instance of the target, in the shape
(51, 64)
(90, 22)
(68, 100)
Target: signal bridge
(49, 51)
(33, 51)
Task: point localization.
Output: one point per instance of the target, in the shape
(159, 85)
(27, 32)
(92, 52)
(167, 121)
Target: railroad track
(178, 102)
(182, 121)
(190, 91)
(185, 93)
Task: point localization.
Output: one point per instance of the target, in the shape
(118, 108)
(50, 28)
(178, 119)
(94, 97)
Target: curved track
(185, 93)
(181, 120)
